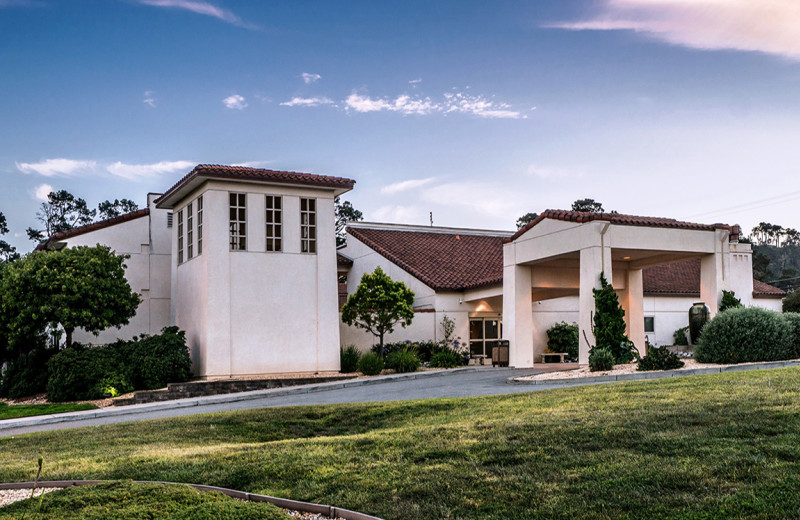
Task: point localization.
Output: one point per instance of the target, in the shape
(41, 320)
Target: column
(711, 283)
(518, 315)
(635, 309)
(594, 260)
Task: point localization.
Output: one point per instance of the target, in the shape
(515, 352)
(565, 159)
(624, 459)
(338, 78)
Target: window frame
(180, 237)
(652, 321)
(189, 232)
(273, 218)
(237, 228)
(308, 225)
(199, 225)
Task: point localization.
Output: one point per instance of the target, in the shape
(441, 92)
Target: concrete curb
(133, 409)
(659, 374)
(306, 507)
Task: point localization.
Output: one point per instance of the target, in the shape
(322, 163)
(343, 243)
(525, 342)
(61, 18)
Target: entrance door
(484, 333)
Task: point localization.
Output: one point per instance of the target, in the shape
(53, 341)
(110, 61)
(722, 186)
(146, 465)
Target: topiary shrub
(729, 301)
(370, 364)
(349, 357)
(791, 303)
(793, 319)
(403, 361)
(609, 323)
(659, 358)
(563, 337)
(679, 336)
(601, 359)
(447, 359)
(745, 335)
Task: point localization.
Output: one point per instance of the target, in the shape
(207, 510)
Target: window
(169, 219)
(649, 324)
(238, 221)
(484, 333)
(180, 237)
(200, 225)
(274, 222)
(189, 241)
(308, 225)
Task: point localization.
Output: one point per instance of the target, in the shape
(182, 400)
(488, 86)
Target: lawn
(16, 411)
(717, 446)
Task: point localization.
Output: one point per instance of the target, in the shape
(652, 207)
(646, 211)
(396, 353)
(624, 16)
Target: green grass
(126, 500)
(16, 411)
(717, 446)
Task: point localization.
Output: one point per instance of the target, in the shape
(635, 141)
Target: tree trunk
(69, 337)
(380, 339)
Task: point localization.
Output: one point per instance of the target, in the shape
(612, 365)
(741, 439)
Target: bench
(479, 358)
(553, 357)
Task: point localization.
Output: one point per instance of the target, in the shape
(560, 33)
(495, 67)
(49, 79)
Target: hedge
(745, 335)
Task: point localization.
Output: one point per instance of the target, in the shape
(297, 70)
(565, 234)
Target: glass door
(484, 333)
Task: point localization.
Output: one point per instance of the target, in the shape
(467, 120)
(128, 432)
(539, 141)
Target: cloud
(149, 99)
(235, 102)
(404, 104)
(768, 26)
(493, 201)
(253, 164)
(42, 191)
(410, 184)
(544, 172)
(310, 78)
(58, 167)
(145, 171)
(307, 102)
(458, 102)
(200, 7)
(401, 214)
(415, 81)
(479, 106)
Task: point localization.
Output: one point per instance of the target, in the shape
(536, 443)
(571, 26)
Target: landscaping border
(305, 507)
(655, 374)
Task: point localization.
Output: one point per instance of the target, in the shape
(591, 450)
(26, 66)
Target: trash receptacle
(500, 354)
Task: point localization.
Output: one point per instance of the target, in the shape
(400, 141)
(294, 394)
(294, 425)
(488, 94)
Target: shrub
(601, 359)
(403, 361)
(609, 323)
(563, 337)
(793, 319)
(659, 358)
(679, 336)
(791, 303)
(349, 357)
(447, 359)
(143, 363)
(27, 374)
(729, 301)
(745, 334)
(370, 364)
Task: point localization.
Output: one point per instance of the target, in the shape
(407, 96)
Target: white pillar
(518, 315)
(635, 309)
(711, 283)
(594, 260)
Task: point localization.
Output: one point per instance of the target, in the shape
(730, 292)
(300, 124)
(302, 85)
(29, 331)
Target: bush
(793, 319)
(729, 301)
(27, 374)
(563, 337)
(349, 357)
(403, 361)
(144, 363)
(679, 336)
(744, 335)
(791, 303)
(609, 323)
(659, 358)
(370, 364)
(447, 359)
(601, 359)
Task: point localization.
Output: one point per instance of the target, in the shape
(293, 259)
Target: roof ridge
(94, 226)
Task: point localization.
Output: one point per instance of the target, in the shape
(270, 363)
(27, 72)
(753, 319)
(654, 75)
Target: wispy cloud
(307, 102)
(415, 81)
(401, 214)
(42, 191)
(410, 184)
(458, 102)
(235, 101)
(253, 164)
(494, 201)
(546, 172)
(310, 78)
(149, 98)
(58, 167)
(200, 7)
(146, 171)
(404, 104)
(769, 26)
(480, 106)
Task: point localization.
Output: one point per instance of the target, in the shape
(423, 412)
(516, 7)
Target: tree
(526, 219)
(8, 252)
(609, 323)
(761, 270)
(345, 212)
(62, 212)
(379, 304)
(729, 301)
(76, 287)
(588, 205)
(108, 209)
(791, 303)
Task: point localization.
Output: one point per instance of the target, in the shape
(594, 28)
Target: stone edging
(117, 411)
(657, 374)
(306, 507)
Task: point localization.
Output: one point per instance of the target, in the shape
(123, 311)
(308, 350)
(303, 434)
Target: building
(244, 260)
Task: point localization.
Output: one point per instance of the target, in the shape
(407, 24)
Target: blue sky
(475, 111)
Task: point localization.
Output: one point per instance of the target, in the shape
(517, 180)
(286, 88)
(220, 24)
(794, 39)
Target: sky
(476, 112)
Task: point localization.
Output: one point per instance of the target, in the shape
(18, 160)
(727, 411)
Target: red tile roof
(218, 171)
(343, 260)
(444, 261)
(616, 218)
(94, 226)
(449, 261)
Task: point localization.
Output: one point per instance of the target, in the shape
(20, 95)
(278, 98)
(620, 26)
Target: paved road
(488, 381)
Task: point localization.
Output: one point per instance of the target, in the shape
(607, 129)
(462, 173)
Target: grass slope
(717, 446)
(16, 411)
(126, 500)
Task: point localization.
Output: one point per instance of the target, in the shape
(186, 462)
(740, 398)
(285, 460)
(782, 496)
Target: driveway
(482, 381)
